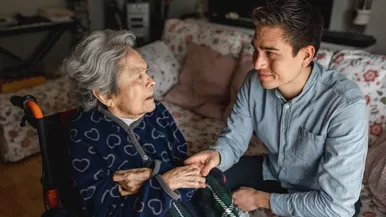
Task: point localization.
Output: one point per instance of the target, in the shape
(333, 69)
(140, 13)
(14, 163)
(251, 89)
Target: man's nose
(260, 62)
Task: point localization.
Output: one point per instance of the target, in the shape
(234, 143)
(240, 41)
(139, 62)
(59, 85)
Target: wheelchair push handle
(28, 104)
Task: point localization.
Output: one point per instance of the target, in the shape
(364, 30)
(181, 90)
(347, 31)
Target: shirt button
(286, 106)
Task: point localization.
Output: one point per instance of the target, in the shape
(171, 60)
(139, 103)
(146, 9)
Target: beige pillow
(244, 65)
(204, 83)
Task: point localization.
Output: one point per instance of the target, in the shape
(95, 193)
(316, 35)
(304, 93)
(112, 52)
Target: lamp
(363, 11)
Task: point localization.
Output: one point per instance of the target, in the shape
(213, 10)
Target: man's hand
(130, 181)
(209, 159)
(248, 199)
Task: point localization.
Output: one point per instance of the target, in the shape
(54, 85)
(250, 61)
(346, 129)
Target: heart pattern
(149, 148)
(81, 165)
(130, 150)
(98, 175)
(92, 134)
(165, 156)
(73, 133)
(162, 123)
(155, 205)
(138, 206)
(123, 165)
(110, 159)
(182, 148)
(88, 193)
(95, 119)
(91, 150)
(113, 140)
(114, 193)
(155, 134)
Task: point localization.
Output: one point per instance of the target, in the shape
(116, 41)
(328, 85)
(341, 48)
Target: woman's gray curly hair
(94, 65)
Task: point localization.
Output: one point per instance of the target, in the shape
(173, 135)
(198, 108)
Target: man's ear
(309, 53)
(104, 99)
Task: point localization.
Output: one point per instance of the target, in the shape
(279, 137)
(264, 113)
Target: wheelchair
(59, 194)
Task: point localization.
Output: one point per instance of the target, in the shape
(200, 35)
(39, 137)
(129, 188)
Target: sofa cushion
(226, 42)
(163, 66)
(369, 72)
(178, 34)
(204, 82)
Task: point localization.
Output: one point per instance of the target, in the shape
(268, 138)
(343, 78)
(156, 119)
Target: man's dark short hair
(301, 22)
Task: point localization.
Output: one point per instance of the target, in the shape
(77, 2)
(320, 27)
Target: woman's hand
(185, 177)
(130, 181)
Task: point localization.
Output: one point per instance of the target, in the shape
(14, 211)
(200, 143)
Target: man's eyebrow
(269, 48)
(265, 47)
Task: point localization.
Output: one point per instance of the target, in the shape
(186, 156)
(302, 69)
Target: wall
(22, 45)
(180, 7)
(341, 20)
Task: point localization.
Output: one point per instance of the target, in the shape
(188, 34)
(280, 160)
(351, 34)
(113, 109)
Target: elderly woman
(126, 149)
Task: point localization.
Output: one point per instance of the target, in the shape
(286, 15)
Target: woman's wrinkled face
(136, 88)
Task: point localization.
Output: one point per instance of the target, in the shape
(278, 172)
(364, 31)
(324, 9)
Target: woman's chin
(149, 105)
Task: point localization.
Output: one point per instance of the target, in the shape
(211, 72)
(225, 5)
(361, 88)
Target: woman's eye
(140, 76)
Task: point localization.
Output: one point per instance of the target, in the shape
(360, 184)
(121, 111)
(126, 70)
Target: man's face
(273, 58)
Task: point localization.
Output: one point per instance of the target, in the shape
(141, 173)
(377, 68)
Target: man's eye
(269, 54)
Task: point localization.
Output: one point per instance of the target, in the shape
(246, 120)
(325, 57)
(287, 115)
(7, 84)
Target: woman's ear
(104, 99)
(309, 53)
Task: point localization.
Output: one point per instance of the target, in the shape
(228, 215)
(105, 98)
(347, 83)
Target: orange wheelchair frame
(58, 186)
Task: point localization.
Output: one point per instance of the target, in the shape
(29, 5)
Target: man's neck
(295, 87)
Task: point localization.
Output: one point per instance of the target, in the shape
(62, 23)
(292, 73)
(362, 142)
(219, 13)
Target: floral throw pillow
(324, 57)
(178, 34)
(163, 66)
(226, 42)
(369, 72)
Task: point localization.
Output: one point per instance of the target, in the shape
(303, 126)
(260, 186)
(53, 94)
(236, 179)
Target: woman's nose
(150, 82)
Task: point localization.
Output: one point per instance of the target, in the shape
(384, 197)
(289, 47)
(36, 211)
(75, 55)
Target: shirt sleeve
(100, 195)
(341, 170)
(234, 139)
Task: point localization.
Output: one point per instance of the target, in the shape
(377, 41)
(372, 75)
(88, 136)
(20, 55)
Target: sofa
(200, 114)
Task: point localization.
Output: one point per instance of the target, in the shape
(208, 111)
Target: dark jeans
(248, 172)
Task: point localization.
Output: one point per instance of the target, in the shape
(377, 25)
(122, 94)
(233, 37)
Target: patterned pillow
(369, 72)
(163, 66)
(324, 57)
(226, 42)
(178, 34)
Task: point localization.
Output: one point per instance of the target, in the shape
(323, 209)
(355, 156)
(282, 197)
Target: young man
(312, 120)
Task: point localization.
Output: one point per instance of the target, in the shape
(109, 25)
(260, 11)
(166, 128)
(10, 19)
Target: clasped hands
(192, 175)
(188, 176)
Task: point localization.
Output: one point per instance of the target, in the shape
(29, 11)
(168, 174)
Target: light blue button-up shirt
(316, 142)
